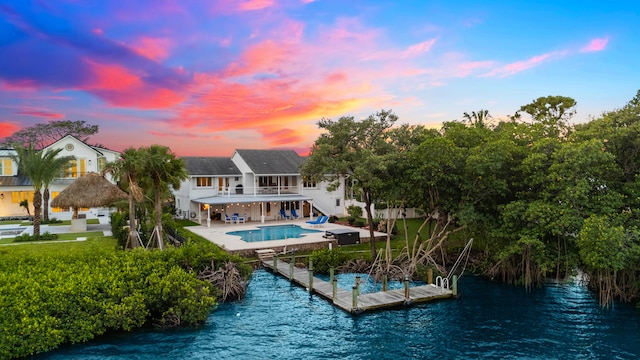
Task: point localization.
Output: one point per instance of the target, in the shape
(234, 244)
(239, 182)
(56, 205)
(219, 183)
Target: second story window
(76, 169)
(102, 161)
(202, 181)
(6, 167)
(308, 183)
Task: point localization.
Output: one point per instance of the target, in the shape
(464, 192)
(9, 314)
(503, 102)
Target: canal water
(278, 320)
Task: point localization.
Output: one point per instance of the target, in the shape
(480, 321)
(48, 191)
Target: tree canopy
(44, 134)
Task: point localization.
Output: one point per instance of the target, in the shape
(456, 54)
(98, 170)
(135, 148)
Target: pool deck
(217, 234)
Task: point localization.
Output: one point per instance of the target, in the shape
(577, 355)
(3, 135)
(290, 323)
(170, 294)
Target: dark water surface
(278, 320)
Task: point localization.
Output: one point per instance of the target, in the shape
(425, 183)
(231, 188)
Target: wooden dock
(349, 300)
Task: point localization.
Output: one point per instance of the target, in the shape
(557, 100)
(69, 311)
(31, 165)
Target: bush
(351, 220)
(56, 297)
(359, 223)
(324, 259)
(354, 211)
(42, 237)
(118, 223)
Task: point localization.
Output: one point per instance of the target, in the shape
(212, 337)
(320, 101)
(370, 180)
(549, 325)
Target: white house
(258, 185)
(14, 188)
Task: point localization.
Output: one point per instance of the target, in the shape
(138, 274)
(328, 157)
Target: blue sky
(207, 77)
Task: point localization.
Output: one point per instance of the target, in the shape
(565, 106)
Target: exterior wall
(330, 203)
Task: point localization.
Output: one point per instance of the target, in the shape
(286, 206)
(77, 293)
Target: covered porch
(251, 208)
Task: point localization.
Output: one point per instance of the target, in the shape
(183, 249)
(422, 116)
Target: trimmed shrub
(324, 259)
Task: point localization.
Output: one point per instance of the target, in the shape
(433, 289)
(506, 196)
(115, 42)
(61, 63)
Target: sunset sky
(208, 77)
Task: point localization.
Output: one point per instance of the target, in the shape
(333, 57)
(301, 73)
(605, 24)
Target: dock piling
(275, 264)
(454, 287)
(354, 293)
(357, 284)
(291, 266)
(331, 274)
(334, 282)
(310, 275)
(430, 276)
(384, 282)
(406, 287)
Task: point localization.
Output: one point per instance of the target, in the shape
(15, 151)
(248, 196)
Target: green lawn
(68, 222)
(54, 248)
(66, 236)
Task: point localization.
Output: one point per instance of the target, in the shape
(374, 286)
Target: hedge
(49, 298)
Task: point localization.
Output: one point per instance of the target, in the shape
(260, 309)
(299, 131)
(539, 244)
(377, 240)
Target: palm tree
(35, 164)
(127, 171)
(477, 118)
(53, 168)
(164, 171)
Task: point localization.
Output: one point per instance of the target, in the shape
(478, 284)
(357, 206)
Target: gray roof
(15, 181)
(203, 165)
(272, 162)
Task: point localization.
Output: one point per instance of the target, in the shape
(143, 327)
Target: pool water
(278, 232)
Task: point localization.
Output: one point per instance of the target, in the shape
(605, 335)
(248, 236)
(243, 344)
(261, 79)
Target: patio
(217, 234)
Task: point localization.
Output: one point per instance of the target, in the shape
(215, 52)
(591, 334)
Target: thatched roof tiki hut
(91, 190)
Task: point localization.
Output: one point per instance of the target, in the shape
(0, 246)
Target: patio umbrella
(91, 190)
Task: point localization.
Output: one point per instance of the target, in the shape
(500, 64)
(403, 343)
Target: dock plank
(365, 302)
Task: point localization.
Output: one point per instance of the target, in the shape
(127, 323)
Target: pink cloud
(594, 45)
(418, 49)
(118, 86)
(519, 66)
(7, 128)
(156, 49)
(97, 31)
(44, 114)
(250, 5)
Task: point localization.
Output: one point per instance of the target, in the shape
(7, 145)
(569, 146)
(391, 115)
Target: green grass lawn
(54, 248)
(66, 236)
(68, 222)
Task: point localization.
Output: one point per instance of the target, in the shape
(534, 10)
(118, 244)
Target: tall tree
(164, 172)
(353, 149)
(552, 113)
(35, 164)
(127, 171)
(43, 135)
(477, 119)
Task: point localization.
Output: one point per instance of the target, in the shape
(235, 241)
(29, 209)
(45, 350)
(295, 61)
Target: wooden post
(357, 285)
(354, 293)
(331, 274)
(406, 287)
(310, 275)
(384, 282)
(454, 287)
(335, 288)
(275, 264)
(430, 276)
(291, 265)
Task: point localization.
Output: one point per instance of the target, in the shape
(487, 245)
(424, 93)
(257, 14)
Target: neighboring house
(14, 188)
(256, 184)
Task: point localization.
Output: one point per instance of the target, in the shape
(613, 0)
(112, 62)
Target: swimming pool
(277, 232)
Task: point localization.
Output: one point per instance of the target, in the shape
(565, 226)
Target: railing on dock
(353, 301)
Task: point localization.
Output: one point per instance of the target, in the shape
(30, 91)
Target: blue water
(278, 320)
(278, 232)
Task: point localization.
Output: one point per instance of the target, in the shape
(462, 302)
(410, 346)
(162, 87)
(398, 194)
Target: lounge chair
(241, 219)
(284, 214)
(227, 219)
(319, 221)
(294, 214)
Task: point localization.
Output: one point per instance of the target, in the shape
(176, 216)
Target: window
(18, 196)
(337, 202)
(308, 183)
(6, 167)
(223, 184)
(102, 161)
(203, 181)
(76, 169)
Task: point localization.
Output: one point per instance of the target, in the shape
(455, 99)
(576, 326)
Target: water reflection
(278, 320)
